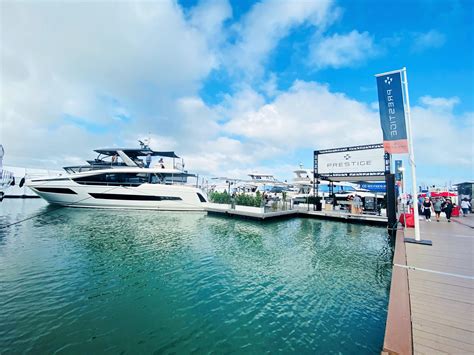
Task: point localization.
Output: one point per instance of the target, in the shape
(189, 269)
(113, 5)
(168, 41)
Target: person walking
(427, 207)
(438, 206)
(448, 209)
(465, 206)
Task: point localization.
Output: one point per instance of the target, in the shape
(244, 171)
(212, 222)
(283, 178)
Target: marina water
(114, 281)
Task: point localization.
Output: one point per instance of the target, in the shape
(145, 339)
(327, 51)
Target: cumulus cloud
(78, 76)
(441, 137)
(439, 103)
(105, 63)
(428, 40)
(270, 21)
(339, 51)
(208, 17)
(308, 115)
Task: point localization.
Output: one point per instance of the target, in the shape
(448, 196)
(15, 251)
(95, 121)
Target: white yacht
(265, 183)
(304, 179)
(120, 178)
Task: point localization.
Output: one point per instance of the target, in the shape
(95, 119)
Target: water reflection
(85, 280)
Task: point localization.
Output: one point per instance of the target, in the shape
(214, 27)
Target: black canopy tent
(340, 174)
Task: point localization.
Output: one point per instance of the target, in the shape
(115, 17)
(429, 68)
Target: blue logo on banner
(392, 113)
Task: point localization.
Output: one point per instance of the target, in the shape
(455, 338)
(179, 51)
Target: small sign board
(369, 204)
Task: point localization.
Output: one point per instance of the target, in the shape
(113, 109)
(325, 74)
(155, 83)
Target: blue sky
(234, 86)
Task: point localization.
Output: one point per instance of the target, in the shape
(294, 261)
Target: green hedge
(220, 197)
(239, 199)
(249, 200)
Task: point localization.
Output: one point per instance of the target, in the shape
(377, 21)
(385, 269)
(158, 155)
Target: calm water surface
(89, 281)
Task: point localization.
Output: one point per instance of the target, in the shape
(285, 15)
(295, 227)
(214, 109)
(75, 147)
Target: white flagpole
(411, 157)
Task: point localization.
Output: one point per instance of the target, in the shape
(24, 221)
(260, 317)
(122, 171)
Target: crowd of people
(438, 205)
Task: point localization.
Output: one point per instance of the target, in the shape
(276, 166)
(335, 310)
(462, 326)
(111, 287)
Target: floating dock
(291, 213)
(346, 217)
(252, 215)
(431, 307)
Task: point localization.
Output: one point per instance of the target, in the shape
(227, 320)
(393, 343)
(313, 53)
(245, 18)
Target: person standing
(358, 204)
(438, 206)
(420, 204)
(465, 205)
(448, 209)
(148, 160)
(427, 207)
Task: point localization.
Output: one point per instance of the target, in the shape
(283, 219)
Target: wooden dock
(439, 280)
(291, 213)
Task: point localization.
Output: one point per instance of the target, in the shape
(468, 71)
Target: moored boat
(121, 178)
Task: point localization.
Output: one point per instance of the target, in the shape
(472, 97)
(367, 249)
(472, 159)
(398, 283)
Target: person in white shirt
(465, 205)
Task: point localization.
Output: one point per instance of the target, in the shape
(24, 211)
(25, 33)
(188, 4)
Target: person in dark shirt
(448, 209)
(427, 207)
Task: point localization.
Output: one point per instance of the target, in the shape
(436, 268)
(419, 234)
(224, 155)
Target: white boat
(19, 189)
(304, 179)
(7, 178)
(265, 183)
(120, 178)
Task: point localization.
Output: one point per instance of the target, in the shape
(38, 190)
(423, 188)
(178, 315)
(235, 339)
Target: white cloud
(340, 51)
(270, 21)
(96, 61)
(137, 68)
(439, 103)
(270, 87)
(442, 138)
(428, 40)
(208, 17)
(308, 116)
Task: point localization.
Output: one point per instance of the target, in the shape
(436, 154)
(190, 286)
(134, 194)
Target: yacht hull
(66, 192)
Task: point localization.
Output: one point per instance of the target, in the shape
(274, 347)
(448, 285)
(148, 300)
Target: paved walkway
(441, 287)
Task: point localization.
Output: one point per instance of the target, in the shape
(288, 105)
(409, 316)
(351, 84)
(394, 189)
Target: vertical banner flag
(392, 113)
(398, 171)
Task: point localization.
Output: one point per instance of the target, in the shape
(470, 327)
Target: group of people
(438, 205)
(147, 163)
(161, 163)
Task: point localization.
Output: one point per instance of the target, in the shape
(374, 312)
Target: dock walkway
(440, 290)
(301, 212)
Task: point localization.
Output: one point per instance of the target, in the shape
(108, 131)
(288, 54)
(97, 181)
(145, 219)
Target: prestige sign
(351, 161)
(392, 113)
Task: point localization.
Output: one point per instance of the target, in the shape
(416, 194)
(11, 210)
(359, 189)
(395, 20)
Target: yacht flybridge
(124, 178)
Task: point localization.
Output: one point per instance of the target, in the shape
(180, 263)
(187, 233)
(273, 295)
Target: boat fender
(13, 182)
(22, 182)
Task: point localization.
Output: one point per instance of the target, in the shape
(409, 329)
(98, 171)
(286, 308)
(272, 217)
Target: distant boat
(260, 182)
(266, 183)
(19, 189)
(7, 178)
(121, 178)
(304, 180)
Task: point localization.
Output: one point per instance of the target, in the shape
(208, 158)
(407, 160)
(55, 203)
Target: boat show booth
(368, 163)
